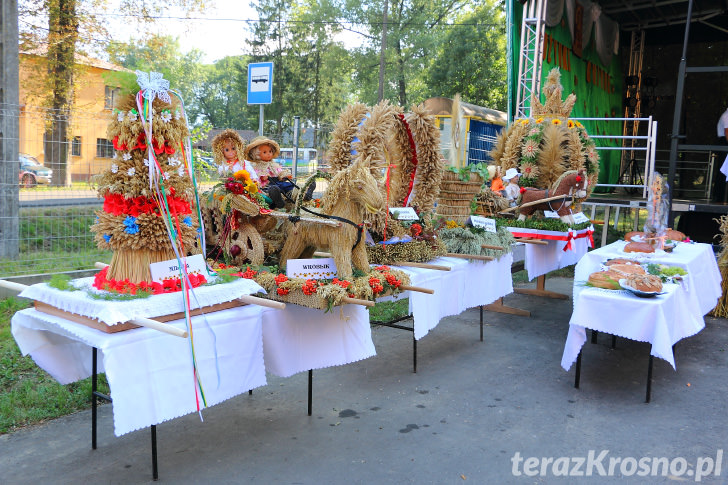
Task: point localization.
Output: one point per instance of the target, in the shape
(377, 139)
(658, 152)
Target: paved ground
(470, 409)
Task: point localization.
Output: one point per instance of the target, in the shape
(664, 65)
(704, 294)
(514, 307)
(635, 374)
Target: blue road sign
(260, 83)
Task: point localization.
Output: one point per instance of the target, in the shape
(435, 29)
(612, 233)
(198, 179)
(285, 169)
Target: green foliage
(386, 311)
(544, 224)
(470, 58)
(479, 168)
(27, 393)
(61, 282)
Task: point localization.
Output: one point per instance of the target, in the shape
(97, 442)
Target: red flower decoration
(523, 189)
(310, 287)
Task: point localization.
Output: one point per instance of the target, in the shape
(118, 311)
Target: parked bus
(307, 159)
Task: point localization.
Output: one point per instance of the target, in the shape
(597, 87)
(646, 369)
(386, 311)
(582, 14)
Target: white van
(307, 159)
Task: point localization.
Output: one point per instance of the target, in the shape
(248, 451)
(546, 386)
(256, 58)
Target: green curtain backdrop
(598, 88)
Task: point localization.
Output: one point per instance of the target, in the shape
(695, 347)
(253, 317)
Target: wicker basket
(456, 195)
(451, 183)
(443, 209)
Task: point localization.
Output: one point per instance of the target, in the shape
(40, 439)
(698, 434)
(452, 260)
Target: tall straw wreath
(406, 146)
(545, 146)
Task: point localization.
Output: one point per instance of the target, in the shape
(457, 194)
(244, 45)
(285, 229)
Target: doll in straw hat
(275, 180)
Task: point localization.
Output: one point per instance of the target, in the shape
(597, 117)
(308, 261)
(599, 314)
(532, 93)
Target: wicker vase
(456, 196)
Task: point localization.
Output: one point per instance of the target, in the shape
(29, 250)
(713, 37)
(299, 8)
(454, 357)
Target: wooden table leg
(499, 307)
(541, 290)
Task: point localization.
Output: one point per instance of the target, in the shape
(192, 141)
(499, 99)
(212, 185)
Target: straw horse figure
(351, 193)
(571, 183)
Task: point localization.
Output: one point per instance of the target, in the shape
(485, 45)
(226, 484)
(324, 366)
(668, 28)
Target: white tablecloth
(298, 338)
(544, 259)
(468, 284)
(662, 320)
(150, 372)
(114, 312)
(702, 282)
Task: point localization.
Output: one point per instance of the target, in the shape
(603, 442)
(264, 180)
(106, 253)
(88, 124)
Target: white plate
(641, 294)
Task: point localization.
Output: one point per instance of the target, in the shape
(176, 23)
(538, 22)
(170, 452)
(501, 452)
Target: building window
(76, 146)
(104, 148)
(110, 96)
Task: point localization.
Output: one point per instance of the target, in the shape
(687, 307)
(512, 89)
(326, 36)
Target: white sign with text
(580, 218)
(404, 213)
(316, 269)
(551, 214)
(483, 223)
(164, 270)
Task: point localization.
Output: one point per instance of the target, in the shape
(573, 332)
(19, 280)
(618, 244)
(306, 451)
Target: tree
(413, 30)
(221, 94)
(311, 70)
(478, 42)
(66, 20)
(161, 53)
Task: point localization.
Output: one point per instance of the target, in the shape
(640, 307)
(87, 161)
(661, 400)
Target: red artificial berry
(578, 178)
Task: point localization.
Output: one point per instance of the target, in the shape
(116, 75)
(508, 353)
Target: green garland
(543, 224)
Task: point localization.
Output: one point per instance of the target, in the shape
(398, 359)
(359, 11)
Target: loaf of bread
(629, 235)
(674, 235)
(614, 261)
(647, 283)
(638, 247)
(605, 279)
(627, 269)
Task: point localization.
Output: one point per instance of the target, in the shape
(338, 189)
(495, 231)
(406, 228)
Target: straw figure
(143, 222)
(721, 309)
(351, 193)
(548, 144)
(573, 182)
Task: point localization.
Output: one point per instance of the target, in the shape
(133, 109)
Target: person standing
(723, 128)
(718, 182)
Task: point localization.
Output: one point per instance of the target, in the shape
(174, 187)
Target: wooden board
(98, 325)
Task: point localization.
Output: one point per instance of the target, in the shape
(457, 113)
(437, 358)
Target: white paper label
(551, 214)
(483, 223)
(170, 269)
(404, 213)
(579, 218)
(316, 269)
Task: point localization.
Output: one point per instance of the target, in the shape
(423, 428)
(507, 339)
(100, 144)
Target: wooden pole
(316, 220)
(12, 286)
(421, 265)
(470, 256)
(254, 300)
(357, 301)
(417, 289)
(539, 242)
(535, 202)
(488, 246)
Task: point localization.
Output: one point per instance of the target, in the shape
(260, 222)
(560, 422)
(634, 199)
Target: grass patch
(386, 311)
(28, 395)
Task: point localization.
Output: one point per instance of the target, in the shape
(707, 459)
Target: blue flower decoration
(130, 225)
(187, 220)
(107, 238)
